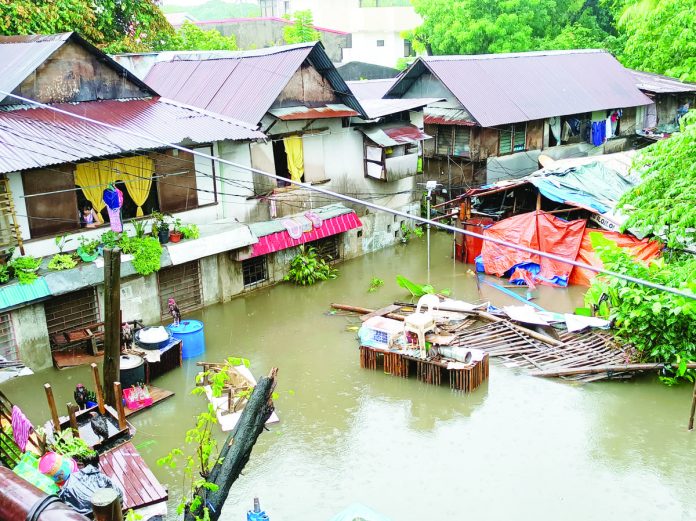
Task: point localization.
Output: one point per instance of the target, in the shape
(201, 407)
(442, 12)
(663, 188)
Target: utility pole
(429, 186)
(112, 322)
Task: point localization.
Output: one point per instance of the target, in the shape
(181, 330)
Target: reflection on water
(517, 448)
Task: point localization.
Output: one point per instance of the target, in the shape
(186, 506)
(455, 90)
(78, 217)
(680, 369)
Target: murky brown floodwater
(518, 448)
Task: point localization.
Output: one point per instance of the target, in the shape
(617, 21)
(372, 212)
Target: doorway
(280, 158)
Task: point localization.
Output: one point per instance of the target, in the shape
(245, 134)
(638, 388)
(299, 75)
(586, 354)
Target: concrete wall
(31, 335)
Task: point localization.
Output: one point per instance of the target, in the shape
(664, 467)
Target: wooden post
(538, 201)
(72, 415)
(52, 407)
(119, 406)
(693, 409)
(106, 505)
(112, 322)
(98, 388)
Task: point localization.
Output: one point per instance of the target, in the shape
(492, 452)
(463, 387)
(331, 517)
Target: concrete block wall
(31, 335)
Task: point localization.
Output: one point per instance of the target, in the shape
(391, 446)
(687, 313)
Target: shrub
(147, 253)
(307, 268)
(25, 268)
(62, 261)
(4, 273)
(190, 231)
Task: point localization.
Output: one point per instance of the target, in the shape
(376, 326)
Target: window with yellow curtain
(136, 173)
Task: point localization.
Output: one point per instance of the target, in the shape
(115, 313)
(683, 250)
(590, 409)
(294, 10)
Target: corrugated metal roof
(22, 54)
(38, 137)
(447, 116)
(13, 295)
(394, 134)
(509, 88)
(243, 85)
(647, 81)
(377, 108)
(370, 89)
(302, 112)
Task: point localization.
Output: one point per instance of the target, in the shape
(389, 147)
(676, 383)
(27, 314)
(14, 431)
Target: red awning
(282, 240)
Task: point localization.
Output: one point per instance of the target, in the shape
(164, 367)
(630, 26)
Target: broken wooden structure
(584, 357)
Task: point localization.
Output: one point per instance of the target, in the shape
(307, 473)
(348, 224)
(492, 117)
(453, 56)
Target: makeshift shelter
(542, 231)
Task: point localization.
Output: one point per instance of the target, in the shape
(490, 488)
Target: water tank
(132, 370)
(190, 332)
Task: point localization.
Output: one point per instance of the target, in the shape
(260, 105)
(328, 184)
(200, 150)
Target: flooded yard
(517, 448)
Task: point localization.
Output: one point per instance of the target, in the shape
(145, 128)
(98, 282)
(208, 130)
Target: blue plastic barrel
(191, 333)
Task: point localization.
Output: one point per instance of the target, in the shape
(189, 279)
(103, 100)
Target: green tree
(661, 37)
(663, 204)
(494, 26)
(190, 37)
(302, 29)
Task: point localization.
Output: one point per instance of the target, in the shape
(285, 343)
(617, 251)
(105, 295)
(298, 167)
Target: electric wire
(371, 205)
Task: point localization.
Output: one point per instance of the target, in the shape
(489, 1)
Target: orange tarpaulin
(537, 230)
(643, 250)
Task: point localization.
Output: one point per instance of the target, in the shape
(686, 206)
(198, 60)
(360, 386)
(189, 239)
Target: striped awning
(281, 240)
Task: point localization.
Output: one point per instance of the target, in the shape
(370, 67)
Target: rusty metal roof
(370, 89)
(243, 85)
(394, 134)
(508, 88)
(22, 54)
(649, 82)
(39, 137)
(301, 112)
(447, 116)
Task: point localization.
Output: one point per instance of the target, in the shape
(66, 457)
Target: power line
(371, 205)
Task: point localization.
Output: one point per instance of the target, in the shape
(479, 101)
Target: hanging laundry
(21, 428)
(113, 197)
(599, 132)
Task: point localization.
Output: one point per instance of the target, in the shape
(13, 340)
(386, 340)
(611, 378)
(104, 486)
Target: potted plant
(62, 261)
(160, 227)
(88, 250)
(176, 234)
(25, 268)
(61, 242)
(190, 231)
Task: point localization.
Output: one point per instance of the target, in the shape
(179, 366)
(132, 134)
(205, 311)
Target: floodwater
(518, 448)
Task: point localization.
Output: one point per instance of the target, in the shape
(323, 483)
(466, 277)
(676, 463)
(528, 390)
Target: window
(408, 49)
(8, 346)
(55, 194)
(452, 140)
(71, 311)
(254, 271)
(183, 284)
(513, 138)
(328, 248)
(380, 43)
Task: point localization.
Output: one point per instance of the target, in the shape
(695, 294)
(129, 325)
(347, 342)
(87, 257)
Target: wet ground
(517, 448)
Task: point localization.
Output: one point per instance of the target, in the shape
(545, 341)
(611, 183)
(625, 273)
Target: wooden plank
(380, 312)
(157, 394)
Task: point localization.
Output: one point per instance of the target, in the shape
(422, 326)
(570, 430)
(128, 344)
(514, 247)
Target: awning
(281, 240)
(302, 112)
(16, 294)
(214, 238)
(392, 135)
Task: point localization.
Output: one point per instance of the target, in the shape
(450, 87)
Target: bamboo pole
(119, 406)
(615, 368)
(693, 409)
(98, 388)
(52, 407)
(112, 322)
(72, 416)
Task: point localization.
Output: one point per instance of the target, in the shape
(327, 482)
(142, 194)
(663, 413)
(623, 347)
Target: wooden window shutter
(520, 137)
(444, 140)
(54, 213)
(505, 140)
(177, 188)
(462, 136)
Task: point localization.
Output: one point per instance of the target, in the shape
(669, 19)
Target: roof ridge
(236, 55)
(215, 115)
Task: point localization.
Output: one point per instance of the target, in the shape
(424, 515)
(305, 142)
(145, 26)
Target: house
(52, 164)
(267, 31)
(299, 101)
(376, 26)
(286, 111)
(500, 111)
(670, 97)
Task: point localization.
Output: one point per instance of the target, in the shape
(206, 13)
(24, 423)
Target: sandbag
(77, 491)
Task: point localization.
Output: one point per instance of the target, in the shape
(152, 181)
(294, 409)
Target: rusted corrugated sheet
(659, 84)
(447, 116)
(38, 137)
(302, 112)
(508, 88)
(394, 134)
(244, 85)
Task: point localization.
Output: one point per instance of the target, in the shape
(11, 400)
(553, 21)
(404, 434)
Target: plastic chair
(419, 322)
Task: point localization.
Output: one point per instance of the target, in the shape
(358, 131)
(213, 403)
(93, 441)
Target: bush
(659, 325)
(25, 268)
(307, 268)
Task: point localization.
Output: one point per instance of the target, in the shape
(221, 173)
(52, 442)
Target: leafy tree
(47, 17)
(190, 37)
(302, 29)
(663, 204)
(661, 37)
